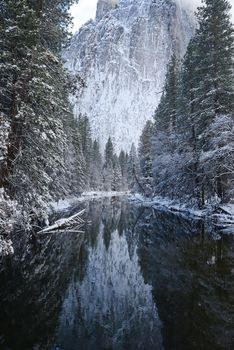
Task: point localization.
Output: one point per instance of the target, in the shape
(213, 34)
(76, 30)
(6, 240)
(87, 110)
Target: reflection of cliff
(32, 289)
(116, 306)
(103, 295)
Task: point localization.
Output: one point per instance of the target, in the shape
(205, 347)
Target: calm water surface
(135, 279)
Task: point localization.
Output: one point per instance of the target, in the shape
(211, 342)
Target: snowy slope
(123, 56)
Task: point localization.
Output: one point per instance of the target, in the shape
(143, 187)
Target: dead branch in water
(71, 224)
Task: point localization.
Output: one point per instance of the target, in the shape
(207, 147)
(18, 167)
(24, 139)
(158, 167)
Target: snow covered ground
(222, 215)
(6, 247)
(65, 204)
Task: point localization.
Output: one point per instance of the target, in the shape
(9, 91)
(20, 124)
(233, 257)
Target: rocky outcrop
(123, 55)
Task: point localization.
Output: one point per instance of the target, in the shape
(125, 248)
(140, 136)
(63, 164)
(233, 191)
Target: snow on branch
(70, 224)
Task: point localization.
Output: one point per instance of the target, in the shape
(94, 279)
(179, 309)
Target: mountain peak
(104, 6)
(123, 57)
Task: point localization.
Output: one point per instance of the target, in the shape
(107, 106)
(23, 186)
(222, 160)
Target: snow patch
(65, 204)
(222, 215)
(6, 247)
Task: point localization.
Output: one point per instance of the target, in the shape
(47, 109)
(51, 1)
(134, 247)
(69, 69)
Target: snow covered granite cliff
(122, 56)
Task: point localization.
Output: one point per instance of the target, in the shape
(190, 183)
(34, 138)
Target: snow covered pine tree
(193, 144)
(34, 102)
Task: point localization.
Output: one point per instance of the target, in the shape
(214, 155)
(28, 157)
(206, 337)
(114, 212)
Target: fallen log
(75, 221)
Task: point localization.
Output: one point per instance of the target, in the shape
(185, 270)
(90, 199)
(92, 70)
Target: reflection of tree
(116, 309)
(107, 274)
(32, 293)
(192, 281)
(113, 214)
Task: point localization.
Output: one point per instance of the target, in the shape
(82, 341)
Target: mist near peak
(189, 4)
(192, 5)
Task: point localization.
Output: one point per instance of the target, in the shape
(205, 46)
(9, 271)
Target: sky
(86, 9)
(82, 12)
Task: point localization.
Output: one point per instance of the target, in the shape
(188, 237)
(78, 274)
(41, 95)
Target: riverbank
(220, 215)
(131, 272)
(65, 204)
(7, 222)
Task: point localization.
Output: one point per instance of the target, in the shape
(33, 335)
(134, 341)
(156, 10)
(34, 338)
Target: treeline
(39, 138)
(108, 172)
(188, 151)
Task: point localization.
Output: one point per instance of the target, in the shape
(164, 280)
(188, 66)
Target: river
(136, 278)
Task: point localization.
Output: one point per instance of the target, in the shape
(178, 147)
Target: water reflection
(112, 307)
(136, 279)
(190, 271)
(32, 287)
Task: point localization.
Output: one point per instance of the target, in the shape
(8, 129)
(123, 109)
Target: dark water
(135, 279)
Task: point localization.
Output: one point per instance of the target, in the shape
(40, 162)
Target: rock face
(123, 55)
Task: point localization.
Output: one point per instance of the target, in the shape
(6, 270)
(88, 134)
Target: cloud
(193, 4)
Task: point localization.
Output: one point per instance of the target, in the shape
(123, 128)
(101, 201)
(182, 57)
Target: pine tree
(165, 115)
(74, 181)
(133, 170)
(86, 142)
(55, 21)
(145, 157)
(164, 138)
(187, 112)
(18, 35)
(216, 88)
(109, 151)
(31, 107)
(189, 78)
(216, 49)
(108, 169)
(123, 161)
(189, 155)
(117, 175)
(96, 181)
(34, 106)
